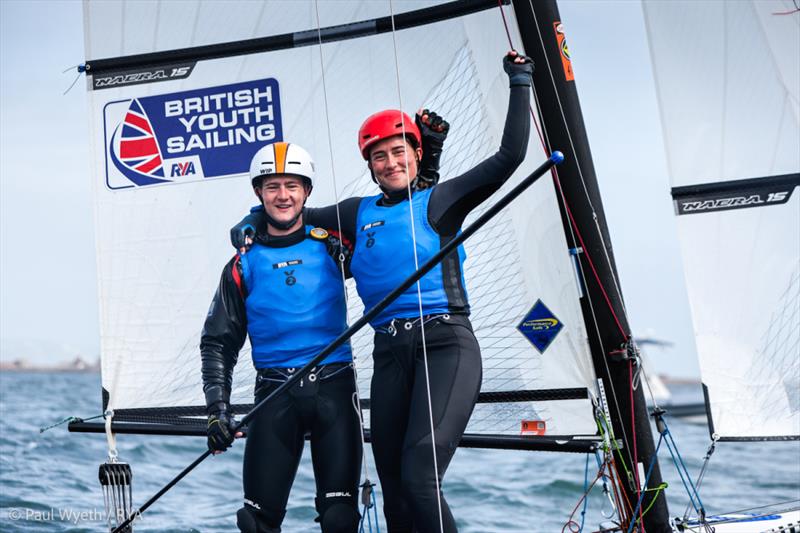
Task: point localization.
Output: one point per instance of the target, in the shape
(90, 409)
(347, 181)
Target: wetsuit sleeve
(325, 217)
(452, 200)
(224, 333)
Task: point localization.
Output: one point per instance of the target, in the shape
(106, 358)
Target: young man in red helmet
(383, 257)
(287, 294)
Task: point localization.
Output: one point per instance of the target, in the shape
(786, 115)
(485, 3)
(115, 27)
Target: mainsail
(187, 92)
(173, 133)
(732, 134)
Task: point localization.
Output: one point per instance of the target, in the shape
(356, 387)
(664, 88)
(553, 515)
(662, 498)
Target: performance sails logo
(189, 136)
(540, 326)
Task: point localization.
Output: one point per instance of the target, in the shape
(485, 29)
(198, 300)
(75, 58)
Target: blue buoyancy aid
(295, 304)
(384, 257)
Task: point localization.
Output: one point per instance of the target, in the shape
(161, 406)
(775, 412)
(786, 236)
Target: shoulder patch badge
(319, 234)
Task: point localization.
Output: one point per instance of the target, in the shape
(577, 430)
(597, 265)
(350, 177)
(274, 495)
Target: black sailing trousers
(324, 408)
(400, 420)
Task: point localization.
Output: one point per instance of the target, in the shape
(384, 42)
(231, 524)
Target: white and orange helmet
(282, 158)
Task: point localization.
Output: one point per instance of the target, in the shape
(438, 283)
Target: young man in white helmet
(287, 294)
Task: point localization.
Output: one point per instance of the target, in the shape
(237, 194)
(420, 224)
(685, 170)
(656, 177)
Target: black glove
(518, 73)
(434, 131)
(243, 233)
(220, 429)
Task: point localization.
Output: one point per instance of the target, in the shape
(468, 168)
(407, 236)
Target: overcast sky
(47, 263)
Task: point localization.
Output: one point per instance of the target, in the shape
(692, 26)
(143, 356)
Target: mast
(586, 230)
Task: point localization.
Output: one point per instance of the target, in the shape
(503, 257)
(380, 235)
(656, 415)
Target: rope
(641, 494)
(356, 394)
(604, 426)
(367, 504)
(585, 489)
(657, 491)
(635, 466)
(576, 235)
(701, 475)
(69, 419)
(570, 522)
(419, 283)
(683, 471)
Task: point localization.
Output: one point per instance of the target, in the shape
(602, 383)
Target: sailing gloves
(221, 429)
(434, 131)
(243, 233)
(519, 69)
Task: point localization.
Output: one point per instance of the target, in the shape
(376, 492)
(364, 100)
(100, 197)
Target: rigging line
(636, 451)
(580, 174)
(771, 505)
(614, 471)
(555, 171)
(573, 229)
(419, 282)
(511, 45)
(505, 23)
(649, 387)
(586, 492)
(586, 193)
(357, 395)
(702, 473)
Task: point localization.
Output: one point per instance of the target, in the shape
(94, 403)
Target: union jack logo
(137, 155)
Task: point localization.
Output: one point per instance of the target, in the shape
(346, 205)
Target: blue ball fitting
(556, 157)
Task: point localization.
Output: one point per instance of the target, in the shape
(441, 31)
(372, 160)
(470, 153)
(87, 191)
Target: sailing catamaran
(176, 116)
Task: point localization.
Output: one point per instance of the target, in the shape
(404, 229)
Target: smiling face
(283, 198)
(394, 162)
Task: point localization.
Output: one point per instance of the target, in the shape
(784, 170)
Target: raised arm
(452, 200)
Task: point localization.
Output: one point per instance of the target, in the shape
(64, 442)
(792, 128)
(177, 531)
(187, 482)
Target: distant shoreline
(77, 365)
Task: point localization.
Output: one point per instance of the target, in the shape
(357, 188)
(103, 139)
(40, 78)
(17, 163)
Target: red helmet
(385, 124)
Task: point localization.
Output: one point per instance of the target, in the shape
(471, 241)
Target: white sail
(728, 79)
(190, 129)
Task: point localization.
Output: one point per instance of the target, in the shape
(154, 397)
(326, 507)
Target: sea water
(48, 481)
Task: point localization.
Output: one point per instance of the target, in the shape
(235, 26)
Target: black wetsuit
(320, 405)
(399, 418)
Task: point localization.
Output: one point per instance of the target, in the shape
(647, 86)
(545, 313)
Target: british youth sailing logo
(191, 135)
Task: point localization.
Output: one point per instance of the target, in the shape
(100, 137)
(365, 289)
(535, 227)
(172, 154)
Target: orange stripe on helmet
(280, 157)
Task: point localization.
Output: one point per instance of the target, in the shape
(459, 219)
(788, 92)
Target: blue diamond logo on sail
(540, 326)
